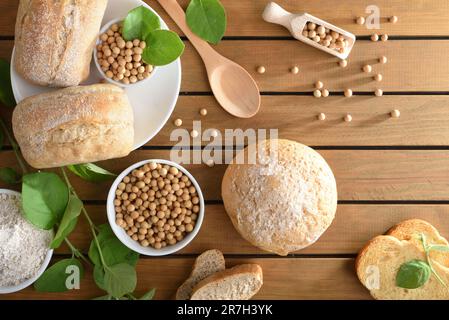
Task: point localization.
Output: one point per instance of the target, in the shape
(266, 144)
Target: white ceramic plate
(45, 263)
(153, 102)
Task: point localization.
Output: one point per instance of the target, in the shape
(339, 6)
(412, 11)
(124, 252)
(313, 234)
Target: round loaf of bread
(282, 198)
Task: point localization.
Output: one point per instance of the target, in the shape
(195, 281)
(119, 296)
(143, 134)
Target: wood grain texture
(424, 120)
(218, 232)
(284, 278)
(416, 18)
(361, 174)
(372, 175)
(412, 66)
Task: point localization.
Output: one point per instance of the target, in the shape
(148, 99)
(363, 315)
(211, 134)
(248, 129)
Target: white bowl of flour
(24, 249)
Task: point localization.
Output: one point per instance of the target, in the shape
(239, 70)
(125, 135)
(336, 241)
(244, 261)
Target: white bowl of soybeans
(155, 207)
(118, 61)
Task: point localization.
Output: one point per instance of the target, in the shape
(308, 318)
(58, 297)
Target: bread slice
(238, 283)
(412, 229)
(206, 264)
(379, 261)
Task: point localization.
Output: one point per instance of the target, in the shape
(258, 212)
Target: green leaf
(6, 94)
(99, 276)
(114, 252)
(44, 199)
(149, 295)
(413, 274)
(120, 279)
(139, 23)
(68, 222)
(9, 175)
(163, 47)
(440, 248)
(54, 278)
(91, 172)
(207, 19)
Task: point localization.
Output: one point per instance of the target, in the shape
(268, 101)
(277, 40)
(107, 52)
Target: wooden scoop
(295, 23)
(233, 86)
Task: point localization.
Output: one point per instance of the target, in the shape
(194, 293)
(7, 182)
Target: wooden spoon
(233, 86)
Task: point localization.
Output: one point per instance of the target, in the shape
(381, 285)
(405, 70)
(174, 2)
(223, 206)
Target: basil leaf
(9, 175)
(207, 19)
(6, 94)
(163, 47)
(91, 172)
(440, 248)
(149, 295)
(54, 279)
(139, 23)
(413, 274)
(44, 199)
(68, 222)
(114, 252)
(120, 279)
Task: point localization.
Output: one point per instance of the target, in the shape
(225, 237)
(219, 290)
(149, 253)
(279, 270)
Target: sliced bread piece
(206, 264)
(241, 282)
(412, 229)
(378, 264)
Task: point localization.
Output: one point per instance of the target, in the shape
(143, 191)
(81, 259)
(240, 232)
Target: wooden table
(387, 169)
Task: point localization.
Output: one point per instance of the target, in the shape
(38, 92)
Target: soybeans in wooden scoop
(312, 30)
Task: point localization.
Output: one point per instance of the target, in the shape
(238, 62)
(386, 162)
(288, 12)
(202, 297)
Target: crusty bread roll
(280, 205)
(74, 125)
(54, 40)
(378, 262)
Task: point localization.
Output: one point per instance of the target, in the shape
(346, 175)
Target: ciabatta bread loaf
(74, 125)
(238, 283)
(284, 200)
(54, 40)
(379, 261)
(206, 264)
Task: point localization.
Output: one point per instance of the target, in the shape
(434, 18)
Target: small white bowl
(117, 83)
(45, 263)
(134, 245)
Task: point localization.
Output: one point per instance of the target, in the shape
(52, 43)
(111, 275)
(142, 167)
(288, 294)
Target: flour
(23, 247)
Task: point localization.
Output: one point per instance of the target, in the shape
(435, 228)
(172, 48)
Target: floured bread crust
(74, 125)
(54, 40)
(280, 205)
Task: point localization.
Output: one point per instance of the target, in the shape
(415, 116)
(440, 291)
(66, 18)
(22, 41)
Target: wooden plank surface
(412, 66)
(415, 66)
(416, 18)
(218, 232)
(284, 278)
(361, 174)
(424, 118)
